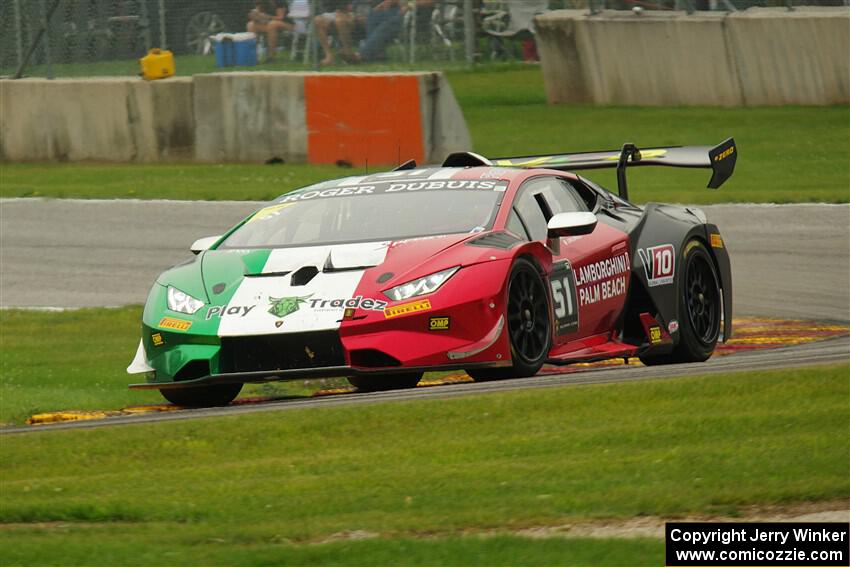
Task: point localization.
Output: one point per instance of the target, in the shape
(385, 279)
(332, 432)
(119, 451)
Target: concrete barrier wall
(250, 117)
(758, 57)
(96, 119)
(799, 57)
(234, 117)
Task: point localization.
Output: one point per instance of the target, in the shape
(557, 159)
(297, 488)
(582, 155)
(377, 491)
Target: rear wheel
(529, 326)
(383, 382)
(202, 396)
(700, 307)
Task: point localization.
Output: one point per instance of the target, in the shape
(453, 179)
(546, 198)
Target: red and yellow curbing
(750, 334)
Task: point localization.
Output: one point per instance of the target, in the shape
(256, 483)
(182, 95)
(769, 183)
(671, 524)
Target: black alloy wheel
(529, 325)
(702, 298)
(700, 308)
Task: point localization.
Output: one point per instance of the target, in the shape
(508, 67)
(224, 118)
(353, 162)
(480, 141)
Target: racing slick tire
(385, 382)
(529, 325)
(700, 308)
(202, 396)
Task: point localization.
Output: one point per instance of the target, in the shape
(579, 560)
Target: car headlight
(421, 286)
(182, 302)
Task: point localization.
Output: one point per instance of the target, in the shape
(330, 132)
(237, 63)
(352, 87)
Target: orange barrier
(363, 119)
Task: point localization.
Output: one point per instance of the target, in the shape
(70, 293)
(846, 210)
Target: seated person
(382, 27)
(385, 22)
(339, 16)
(269, 17)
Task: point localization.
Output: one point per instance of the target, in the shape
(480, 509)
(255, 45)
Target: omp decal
(439, 324)
(659, 264)
(655, 335)
(725, 153)
(283, 306)
(563, 284)
(716, 241)
(604, 279)
(222, 310)
(174, 324)
(157, 339)
(407, 308)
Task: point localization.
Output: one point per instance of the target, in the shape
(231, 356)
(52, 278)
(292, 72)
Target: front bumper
(462, 327)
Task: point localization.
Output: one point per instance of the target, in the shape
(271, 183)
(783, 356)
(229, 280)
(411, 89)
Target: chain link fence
(66, 38)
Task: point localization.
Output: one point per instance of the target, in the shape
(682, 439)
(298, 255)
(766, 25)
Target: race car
(491, 266)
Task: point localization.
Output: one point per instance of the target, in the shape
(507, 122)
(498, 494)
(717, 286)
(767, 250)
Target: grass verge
(787, 154)
(76, 359)
(429, 470)
(67, 546)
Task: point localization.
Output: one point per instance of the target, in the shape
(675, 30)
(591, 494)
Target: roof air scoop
(465, 159)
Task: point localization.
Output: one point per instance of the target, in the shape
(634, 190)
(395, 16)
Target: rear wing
(720, 159)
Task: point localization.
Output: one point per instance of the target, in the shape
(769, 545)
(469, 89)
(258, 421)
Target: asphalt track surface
(788, 261)
(823, 352)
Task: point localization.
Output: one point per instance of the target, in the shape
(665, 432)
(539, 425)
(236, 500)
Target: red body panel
(470, 305)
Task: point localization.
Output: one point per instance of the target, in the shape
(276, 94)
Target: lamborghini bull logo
(283, 306)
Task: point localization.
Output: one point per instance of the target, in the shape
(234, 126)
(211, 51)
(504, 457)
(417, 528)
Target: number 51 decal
(564, 301)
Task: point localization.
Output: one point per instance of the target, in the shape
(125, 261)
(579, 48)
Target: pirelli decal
(407, 308)
(173, 324)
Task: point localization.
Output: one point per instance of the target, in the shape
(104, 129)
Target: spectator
(269, 17)
(340, 16)
(385, 22)
(382, 26)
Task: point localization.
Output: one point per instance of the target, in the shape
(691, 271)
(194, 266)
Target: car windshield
(387, 211)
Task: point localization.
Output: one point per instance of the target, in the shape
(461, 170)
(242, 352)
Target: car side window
(540, 198)
(528, 208)
(515, 225)
(565, 195)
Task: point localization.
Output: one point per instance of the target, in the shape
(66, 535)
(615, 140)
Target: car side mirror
(204, 243)
(571, 224)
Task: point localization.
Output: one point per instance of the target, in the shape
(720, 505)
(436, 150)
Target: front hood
(307, 288)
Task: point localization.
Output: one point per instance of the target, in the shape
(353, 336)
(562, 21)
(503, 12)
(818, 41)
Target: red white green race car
(493, 266)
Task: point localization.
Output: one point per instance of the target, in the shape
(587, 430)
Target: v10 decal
(564, 300)
(659, 264)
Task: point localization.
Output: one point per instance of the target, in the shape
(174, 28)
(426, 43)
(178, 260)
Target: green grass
(75, 361)
(421, 477)
(432, 469)
(786, 154)
(68, 545)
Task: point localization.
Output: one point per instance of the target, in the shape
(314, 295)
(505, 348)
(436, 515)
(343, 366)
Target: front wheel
(385, 382)
(700, 307)
(202, 396)
(529, 325)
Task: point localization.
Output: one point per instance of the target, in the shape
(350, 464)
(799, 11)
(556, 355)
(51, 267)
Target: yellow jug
(157, 64)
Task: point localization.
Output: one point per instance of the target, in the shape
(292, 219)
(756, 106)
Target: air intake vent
(372, 358)
(193, 369)
(501, 240)
(281, 352)
(303, 275)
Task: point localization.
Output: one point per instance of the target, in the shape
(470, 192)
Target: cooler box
(235, 49)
